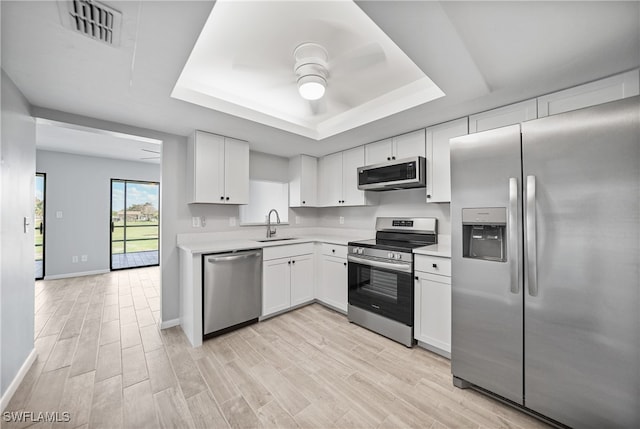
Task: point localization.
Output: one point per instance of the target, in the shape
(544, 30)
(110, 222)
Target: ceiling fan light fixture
(312, 87)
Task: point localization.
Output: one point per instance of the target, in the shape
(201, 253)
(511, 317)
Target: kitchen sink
(276, 239)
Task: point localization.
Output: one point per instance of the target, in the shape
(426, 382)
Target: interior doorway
(135, 224)
(38, 224)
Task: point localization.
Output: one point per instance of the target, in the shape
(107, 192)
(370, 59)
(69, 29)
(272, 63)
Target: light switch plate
(84, 258)
(59, 215)
(74, 259)
(341, 220)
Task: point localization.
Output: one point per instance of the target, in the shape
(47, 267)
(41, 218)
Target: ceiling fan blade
(357, 59)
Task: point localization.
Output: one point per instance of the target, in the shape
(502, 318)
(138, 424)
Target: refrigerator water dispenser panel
(484, 233)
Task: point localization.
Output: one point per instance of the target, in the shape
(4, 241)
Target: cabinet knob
(289, 262)
(221, 198)
(293, 262)
(227, 198)
(416, 278)
(434, 265)
(393, 157)
(388, 158)
(428, 195)
(333, 250)
(304, 202)
(345, 264)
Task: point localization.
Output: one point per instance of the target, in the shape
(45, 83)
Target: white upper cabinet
(377, 152)
(399, 147)
(438, 159)
(601, 91)
(351, 160)
(338, 179)
(303, 181)
(217, 169)
(409, 145)
(503, 116)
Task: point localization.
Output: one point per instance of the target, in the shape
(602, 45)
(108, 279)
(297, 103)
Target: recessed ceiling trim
(253, 74)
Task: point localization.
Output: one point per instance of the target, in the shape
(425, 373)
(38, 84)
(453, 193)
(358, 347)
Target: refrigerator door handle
(532, 268)
(513, 235)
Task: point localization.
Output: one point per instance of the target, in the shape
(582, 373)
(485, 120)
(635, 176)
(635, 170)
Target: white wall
(80, 187)
(16, 247)
(407, 202)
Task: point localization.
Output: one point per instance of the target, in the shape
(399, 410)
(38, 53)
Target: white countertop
(440, 249)
(239, 244)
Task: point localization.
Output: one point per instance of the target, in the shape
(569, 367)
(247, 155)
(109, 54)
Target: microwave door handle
(405, 268)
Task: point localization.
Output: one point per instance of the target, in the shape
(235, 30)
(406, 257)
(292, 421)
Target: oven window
(382, 283)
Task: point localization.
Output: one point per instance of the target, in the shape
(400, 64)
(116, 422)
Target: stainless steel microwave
(399, 174)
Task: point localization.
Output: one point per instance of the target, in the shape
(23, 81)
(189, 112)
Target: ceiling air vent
(93, 19)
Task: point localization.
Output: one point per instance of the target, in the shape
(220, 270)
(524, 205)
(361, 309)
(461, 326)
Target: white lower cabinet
(286, 282)
(432, 305)
(333, 287)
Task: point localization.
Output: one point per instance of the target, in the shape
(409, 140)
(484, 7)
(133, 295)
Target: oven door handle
(403, 267)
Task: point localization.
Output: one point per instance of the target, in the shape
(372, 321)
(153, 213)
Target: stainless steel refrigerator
(545, 220)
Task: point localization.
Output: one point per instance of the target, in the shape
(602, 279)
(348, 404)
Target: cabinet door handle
(434, 265)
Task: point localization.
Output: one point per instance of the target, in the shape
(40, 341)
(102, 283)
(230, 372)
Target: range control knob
(398, 256)
(354, 250)
(390, 255)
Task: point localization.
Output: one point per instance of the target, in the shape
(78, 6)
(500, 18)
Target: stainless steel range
(381, 276)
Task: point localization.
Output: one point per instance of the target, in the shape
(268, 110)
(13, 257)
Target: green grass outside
(134, 246)
(141, 223)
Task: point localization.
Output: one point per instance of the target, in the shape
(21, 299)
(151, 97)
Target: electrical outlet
(341, 220)
(232, 221)
(74, 259)
(58, 215)
(84, 258)
(195, 222)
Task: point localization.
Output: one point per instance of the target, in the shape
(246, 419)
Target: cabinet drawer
(334, 250)
(275, 252)
(433, 264)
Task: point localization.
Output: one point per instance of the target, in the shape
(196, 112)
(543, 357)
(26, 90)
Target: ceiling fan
(314, 70)
(152, 151)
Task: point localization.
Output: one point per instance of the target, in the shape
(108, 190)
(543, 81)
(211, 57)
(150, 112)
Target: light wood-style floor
(102, 359)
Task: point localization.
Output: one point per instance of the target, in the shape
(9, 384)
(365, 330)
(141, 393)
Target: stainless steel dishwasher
(232, 290)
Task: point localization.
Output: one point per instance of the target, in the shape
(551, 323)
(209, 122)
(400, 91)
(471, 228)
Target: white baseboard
(8, 394)
(169, 323)
(80, 274)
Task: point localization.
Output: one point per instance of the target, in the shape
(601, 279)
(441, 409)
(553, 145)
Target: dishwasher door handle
(234, 257)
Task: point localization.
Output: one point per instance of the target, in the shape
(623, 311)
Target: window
(264, 196)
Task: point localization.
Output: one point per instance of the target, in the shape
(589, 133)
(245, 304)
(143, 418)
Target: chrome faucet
(270, 232)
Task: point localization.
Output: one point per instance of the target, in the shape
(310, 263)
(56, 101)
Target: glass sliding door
(38, 224)
(135, 224)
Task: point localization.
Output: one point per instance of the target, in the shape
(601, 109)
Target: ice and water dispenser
(484, 233)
